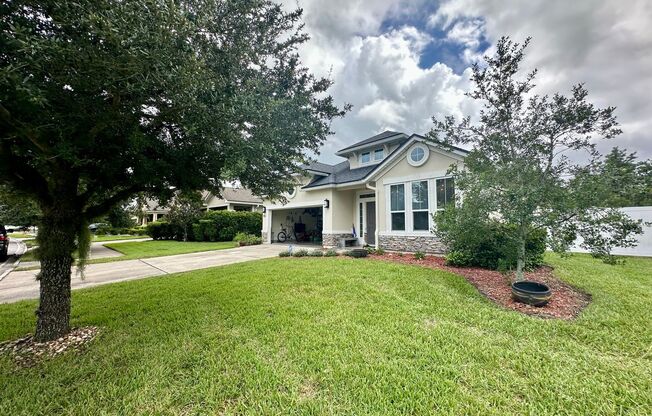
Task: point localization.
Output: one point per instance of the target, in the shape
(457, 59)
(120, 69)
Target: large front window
(445, 192)
(420, 206)
(397, 207)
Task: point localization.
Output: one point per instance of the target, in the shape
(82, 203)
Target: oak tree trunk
(56, 235)
(520, 258)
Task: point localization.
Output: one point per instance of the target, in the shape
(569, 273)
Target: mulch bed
(26, 352)
(566, 302)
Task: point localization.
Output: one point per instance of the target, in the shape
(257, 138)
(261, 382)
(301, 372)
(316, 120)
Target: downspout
(373, 188)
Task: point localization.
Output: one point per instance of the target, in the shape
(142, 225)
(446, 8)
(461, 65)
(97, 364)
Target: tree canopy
(519, 170)
(102, 99)
(619, 179)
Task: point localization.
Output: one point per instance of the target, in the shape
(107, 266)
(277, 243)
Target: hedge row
(213, 226)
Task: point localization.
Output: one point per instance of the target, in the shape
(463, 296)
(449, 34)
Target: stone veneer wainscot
(426, 244)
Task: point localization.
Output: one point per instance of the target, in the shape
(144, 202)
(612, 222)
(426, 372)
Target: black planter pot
(532, 293)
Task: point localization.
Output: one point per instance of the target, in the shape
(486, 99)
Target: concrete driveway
(23, 285)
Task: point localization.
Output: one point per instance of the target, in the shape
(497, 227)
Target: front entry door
(370, 232)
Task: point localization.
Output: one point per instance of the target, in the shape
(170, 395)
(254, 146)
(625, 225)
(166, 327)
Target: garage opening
(298, 225)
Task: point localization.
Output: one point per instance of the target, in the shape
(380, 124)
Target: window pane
(378, 154)
(398, 221)
(441, 193)
(450, 190)
(417, 154)
(365, 157)
(420, 220)
(397, 196)
(420, 195)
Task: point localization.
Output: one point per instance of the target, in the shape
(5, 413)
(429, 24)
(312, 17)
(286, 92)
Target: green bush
(419, 255)
(285, 253)
(380, 251)
(245, 239)
(458, 258)
(213, 226)
(330, 253)
(300, 253)
(474, 242)
(315, 253)
(356, 253)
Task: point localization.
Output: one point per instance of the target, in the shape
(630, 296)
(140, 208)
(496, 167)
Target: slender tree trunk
(520, 259)
(56, 236)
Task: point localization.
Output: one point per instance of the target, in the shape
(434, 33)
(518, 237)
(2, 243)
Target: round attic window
(418, 155)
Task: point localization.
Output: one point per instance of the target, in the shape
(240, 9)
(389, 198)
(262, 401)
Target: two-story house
(384, 194)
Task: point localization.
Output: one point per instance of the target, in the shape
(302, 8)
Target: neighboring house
(232, 199)
(385, 192)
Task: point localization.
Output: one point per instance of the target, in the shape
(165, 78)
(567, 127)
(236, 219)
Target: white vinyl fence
(644, 247)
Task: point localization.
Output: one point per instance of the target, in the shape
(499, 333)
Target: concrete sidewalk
(23, 285)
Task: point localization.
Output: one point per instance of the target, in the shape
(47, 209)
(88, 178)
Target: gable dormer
(373, 150)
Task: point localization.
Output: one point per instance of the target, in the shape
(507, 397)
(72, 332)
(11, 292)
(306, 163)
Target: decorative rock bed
(566, 303)
(26, 352)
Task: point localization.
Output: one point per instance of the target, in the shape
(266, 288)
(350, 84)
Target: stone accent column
(426, 244)
(331, 240)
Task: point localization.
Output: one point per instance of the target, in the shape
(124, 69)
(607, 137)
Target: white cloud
(607, 45)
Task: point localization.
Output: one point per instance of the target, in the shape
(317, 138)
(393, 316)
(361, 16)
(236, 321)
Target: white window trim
(372, 156)
(427, 209)
(424, 159)
(405, 207)
(409, 219)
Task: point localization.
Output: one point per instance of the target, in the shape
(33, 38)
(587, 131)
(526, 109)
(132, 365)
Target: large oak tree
(102, 99)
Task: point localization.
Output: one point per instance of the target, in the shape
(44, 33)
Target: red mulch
(566, 302)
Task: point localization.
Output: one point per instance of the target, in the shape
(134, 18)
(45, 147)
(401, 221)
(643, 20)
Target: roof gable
(384, 137)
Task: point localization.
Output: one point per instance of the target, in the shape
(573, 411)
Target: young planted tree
(518, 169)
(185, 209)
(103, 99)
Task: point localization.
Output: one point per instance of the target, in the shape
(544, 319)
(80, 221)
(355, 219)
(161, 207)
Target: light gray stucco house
(383, 194)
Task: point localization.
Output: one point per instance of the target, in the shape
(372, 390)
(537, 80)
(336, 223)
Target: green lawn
(98, 238)
(20, 235)
(144, 249)
(341, 336)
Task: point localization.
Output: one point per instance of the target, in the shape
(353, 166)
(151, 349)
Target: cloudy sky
(399, 62)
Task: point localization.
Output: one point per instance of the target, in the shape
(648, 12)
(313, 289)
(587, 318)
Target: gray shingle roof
(342, 173)
(240, 195)
(384, 135)
(320, 167)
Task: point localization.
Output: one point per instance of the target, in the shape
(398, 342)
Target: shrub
(300, 253)
(315, 253)
(474, 242)
(419, 255)
(356, 253)
(330, 253)
(285, 253)
(245, 239)
(380, 251)
(224, 225)
(458, 258)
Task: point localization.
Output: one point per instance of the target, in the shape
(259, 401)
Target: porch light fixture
(327, 203)
(264, 209)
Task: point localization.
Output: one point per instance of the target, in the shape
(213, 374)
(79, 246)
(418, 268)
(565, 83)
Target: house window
(365, 157)
(378, 154)
(361, 221)
(445, 192)
(418, 155)
(420, 206)
(397, 207)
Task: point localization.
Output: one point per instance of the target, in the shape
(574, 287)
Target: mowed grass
(151, 248)
(98, 238)
(341, 336)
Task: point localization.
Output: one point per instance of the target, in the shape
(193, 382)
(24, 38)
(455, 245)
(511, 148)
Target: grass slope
(345, 336)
